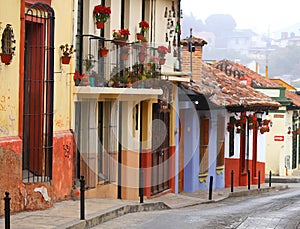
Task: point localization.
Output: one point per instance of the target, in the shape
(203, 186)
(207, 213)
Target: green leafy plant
(67, 50)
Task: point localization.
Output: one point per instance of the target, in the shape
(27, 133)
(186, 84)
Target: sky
(263, 16)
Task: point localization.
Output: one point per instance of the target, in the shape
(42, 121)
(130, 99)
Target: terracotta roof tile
(257, 79)
(195, 41)
(223, 90)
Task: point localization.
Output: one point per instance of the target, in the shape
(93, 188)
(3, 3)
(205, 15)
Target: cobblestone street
(268, 210)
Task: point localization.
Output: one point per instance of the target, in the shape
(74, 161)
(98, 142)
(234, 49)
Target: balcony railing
(125, 64)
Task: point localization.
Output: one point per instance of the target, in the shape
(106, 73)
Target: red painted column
(146, 165)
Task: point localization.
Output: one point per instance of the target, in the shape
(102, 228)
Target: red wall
(242, 179)
(63, 164)
(146, 165)
(11, 172)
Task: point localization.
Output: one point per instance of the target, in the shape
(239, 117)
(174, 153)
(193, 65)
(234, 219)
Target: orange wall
(11, 172)
(242, 179)
(63, 164)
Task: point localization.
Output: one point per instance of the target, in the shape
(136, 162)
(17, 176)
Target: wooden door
(160, 150)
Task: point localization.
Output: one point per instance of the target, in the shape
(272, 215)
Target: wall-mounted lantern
(7, 46)
(259, 117)
(289, 130)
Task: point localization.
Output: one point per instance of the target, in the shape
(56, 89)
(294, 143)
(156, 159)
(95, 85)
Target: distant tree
(191, 22)
(285, 61)
(220, 24)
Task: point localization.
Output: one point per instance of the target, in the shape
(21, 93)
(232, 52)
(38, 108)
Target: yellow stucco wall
(9, 74)
(278, 151)
(63, 74)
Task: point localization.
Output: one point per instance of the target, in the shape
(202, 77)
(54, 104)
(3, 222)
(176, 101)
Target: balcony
(135, 65)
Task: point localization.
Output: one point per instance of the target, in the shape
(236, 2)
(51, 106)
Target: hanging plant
(7, 45)
(103, 51)
(240, 124)
(231, 124)
(101, 14)
(264, 126)
(252, 121)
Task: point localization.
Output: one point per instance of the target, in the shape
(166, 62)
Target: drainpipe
(143, 9)
(178, 35)
(21, 66)
(80, 33)
(122, 13)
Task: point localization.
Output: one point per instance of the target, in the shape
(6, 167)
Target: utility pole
(267, 63)
(267, 54)
(191, 50)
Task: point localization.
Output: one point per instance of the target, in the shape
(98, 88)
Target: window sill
(202, 177)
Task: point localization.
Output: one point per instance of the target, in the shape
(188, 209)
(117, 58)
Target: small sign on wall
(278, 138)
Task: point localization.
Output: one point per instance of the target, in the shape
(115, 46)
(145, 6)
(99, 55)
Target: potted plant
(144, 27)
(89, 63)
(121, 36)
(7, 46)
(6, 58)
(77, 78)
(101, 14)
(67, 51)
(103, 51)
(162, 51)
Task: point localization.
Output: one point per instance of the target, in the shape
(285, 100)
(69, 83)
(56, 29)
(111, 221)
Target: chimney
(197, 44)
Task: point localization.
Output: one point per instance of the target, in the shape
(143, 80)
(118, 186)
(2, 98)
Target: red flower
(124, 32)
(121, 33)
(101, 13)
(77, 76)
(162, 49)
(144, 26)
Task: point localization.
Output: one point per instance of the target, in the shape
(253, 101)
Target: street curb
(105, 216)
(120, 211)
(257, 191)
(283, 180)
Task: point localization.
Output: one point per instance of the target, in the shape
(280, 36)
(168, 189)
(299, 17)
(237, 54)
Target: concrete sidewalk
(66, 214)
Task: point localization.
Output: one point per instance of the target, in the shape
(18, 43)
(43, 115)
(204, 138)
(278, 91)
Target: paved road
(270, 210)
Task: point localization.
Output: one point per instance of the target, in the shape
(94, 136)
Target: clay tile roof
(229, 92)
(196, 41)
(258, 80)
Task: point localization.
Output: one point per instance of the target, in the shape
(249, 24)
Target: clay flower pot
(100, 24)
(65, 59)
(120, 41)
(139, 36)
(6, 58)
(103, 52)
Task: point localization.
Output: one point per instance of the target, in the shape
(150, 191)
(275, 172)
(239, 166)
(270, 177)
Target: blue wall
(191, 152)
